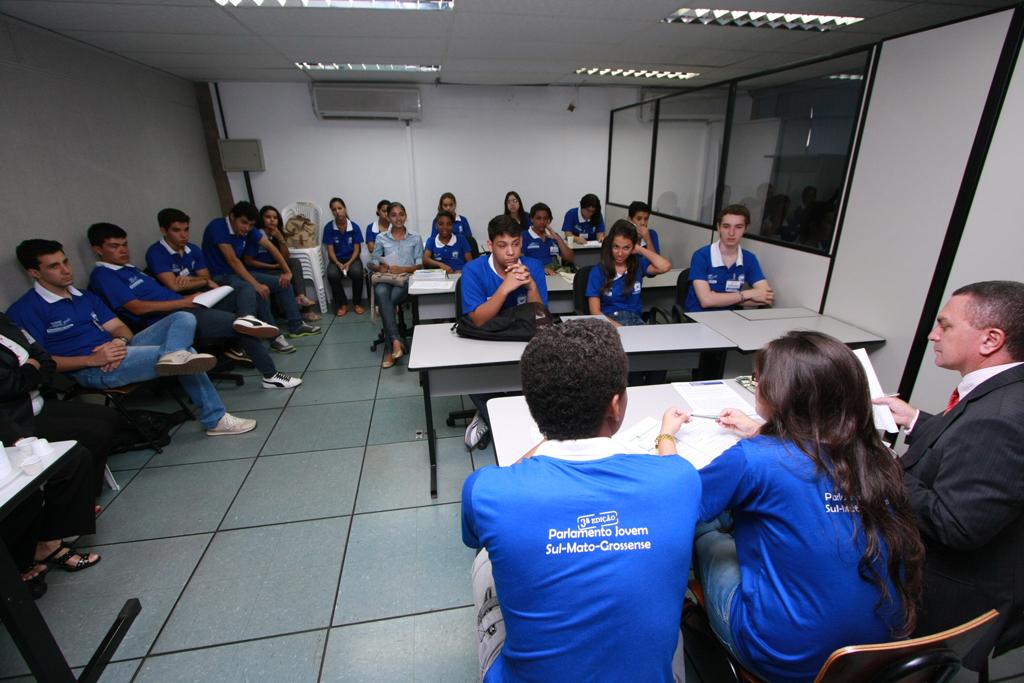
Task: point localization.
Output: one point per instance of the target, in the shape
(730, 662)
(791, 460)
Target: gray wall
(87, 137)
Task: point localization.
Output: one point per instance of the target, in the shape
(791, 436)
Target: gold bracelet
(661, 437)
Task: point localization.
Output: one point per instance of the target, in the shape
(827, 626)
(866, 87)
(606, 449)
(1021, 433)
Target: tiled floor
(308, 550)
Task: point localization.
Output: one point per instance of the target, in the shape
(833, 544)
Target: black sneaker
(304, 330)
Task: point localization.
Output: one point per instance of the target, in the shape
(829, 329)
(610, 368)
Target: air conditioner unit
(342, 101)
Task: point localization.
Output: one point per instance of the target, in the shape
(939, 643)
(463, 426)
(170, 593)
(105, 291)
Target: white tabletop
(751, 335)
(438, 346)
(515, 432)
(20, 481)
(419, 286)
(775, 313)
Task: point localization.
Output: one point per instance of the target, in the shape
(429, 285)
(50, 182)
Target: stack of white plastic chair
(307, 246)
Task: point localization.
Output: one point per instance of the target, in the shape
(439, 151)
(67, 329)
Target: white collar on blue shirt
(348, 225)
(51, 298)
(534, 233)
(114, 266)
(171, 250)
(716, 255)
(582, 450)
(973, 379)
(490, 262)
(231, 230)
(452, 239)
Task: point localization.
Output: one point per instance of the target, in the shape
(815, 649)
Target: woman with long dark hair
(584, 223)
(258, 258)
(613, 287)
(515, 210)
(824, 551)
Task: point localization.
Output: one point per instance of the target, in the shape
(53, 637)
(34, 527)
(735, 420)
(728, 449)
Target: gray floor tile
(399, 419)
(252, 395)
(403, 562)
(169, 501)
(334, 386)
(485, 457)
(115, 672)
(313, 339)
(364, 331)
(398, 475)
(294, 363)
(123, 477)
(427, 647)
(399, 383)
(289, 488)
(320, 428)
(80, 607)
(132, 460)
(259, 582)
(352, 318)
(286, 659)
(347, 355)
(191, 443)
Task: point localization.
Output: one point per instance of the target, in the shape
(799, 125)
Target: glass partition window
(629, 169)
(789, 146)
(689, 149)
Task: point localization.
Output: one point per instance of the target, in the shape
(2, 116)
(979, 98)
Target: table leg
(31, 636)
(431, 435)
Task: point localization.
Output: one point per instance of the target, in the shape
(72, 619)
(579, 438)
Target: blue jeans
(173, 333)
(718, 570)
(627, 318)
(251, 303)
(387, 297)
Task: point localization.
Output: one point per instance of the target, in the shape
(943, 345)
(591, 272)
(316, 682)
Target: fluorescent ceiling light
(346, 4)
(758, 19)
(846, 77)
(353, 66)
(634, 73)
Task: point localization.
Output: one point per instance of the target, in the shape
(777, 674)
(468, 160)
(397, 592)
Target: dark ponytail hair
(621, 228)
(590, 201)
(815, 395)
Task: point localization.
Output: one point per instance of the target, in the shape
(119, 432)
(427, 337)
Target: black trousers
(92, 425)
(335, 279)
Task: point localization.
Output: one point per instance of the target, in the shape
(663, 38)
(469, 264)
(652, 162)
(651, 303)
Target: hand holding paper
(883, 416)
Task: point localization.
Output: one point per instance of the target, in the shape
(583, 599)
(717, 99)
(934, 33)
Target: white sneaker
(229, 424)
(184, 363)
(280, 381)
(475, 431)
(254, 327)
(281, 345)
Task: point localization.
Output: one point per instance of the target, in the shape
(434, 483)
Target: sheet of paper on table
(439, 285)
(568, 277)
(711, 397)
(882, 414)
(212, 297)
(430, 274)
(700, 440)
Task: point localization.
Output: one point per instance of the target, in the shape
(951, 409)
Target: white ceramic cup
(32, 465)
(41, 447)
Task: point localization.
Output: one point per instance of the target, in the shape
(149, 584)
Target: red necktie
(954, 398)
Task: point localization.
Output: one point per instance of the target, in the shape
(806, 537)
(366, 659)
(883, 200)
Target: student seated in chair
(613, 288)
(585, 543)
(342, 240)
(494, 283)
(87, 341)
(723, 275)
(584, 223)
(225, 242)
(821, 550)
(445, 249)
(639, 215)
(141, 300)
(543, 243)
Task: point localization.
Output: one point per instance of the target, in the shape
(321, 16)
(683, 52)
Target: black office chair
(474, 248)
(466, 414)
(651, 316)
(682, 291)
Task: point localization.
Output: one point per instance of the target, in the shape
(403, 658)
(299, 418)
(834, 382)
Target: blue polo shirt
(117, 285)
(64, 327)
(799, 542)
(706, 264)
(480, 280)
(343, 241)
(544, 250)
(459, 227)
(590, 552)
(372, 230)
(452, 254)
(616, 300)
(219, 232)
(162, 258)
(575, 224)
(654, 244)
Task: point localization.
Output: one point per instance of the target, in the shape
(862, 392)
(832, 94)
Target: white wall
(477, 142)
(925, 107)
(91, 137)
(993, 241)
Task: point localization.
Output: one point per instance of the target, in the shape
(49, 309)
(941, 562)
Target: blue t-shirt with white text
(479, 281)
(615, 300)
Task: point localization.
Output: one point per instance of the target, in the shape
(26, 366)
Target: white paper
(568, 277)
(711, 397)
(434, 285)
(700, 440)
(430, 274)
(882, 414)
(212, 297)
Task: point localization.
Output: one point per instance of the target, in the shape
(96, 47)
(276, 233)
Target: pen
(706, 417)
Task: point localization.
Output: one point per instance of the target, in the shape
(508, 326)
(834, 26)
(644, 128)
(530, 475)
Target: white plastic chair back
(302, 225)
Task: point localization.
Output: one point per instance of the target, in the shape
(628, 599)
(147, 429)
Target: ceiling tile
(296, 21)
(323, 48)
(105, 16)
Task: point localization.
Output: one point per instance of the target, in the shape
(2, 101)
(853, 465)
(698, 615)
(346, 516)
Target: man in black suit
(964, 469)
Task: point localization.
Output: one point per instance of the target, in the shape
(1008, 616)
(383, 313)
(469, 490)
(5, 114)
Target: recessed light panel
(393, 68)
(634, 73)
(760, 19)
